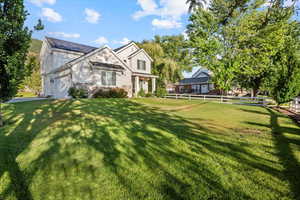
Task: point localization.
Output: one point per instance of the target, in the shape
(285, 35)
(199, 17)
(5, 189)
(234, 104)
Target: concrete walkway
(24, 99)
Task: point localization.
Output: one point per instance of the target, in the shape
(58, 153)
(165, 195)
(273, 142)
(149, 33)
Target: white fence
(295, 105)
(258, 101)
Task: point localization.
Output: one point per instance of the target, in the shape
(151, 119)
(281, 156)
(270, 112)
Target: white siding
(126, 52)
(83, 72)
(134, 63)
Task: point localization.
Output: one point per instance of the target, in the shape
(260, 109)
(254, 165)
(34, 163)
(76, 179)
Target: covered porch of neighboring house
(140, 81)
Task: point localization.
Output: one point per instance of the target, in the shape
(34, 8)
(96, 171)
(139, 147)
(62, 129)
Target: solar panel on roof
(70, 46)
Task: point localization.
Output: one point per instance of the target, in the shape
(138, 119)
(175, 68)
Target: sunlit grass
(147, 149)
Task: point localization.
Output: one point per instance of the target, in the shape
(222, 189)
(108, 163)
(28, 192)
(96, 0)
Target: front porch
(146, 82)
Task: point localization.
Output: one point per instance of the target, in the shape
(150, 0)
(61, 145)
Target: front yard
(147, 149)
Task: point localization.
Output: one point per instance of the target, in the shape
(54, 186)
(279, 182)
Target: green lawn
(147, 149)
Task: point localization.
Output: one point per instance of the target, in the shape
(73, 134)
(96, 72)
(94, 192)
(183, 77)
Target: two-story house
(66, 64)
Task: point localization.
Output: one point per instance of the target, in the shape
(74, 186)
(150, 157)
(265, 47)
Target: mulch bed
(293, 115)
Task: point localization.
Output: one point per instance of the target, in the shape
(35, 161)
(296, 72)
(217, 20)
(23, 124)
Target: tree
(165, 67)
(194, 4)
(32, 80)
(14, 44)
(39, 26)
(177, 48)
(241, 37)
(171, 57)
(285, 81)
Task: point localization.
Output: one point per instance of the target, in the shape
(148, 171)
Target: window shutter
(114, 78)
(103, 78)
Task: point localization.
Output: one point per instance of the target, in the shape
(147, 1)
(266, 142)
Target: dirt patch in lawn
(183, 108)
(247, 131)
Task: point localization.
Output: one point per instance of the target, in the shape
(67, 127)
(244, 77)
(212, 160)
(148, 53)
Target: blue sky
(113, 22)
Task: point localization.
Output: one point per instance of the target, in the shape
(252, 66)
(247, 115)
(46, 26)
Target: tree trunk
(254, 92)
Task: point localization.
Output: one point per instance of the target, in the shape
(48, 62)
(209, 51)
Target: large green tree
(14, 44)
(239, 39)
(285, 79)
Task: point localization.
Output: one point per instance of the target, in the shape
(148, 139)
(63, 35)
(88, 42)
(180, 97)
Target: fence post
(204, 97)
(221, 98)
(190, 98)
(176, 96)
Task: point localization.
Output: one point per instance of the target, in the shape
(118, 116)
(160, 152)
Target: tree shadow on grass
(14, 142)
(285, 152)
(134, 146)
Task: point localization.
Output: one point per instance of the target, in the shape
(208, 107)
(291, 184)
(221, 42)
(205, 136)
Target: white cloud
(41, 2)
(92, 16)
(101, 40)
(124, 41)
(51, 15)
(65, 35)
(165, 24)
(170, 11)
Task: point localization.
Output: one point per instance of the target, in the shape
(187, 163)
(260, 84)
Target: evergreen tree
(14, 44)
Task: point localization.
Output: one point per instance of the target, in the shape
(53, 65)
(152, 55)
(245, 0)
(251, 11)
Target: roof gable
(120, 49)
(138, 52)
(69, 46)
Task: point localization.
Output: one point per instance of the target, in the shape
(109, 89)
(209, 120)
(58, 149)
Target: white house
(65, 64)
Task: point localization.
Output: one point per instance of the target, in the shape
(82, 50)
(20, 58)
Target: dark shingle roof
(107, 65)
(69, 46)
(194, 80)
(119, 48)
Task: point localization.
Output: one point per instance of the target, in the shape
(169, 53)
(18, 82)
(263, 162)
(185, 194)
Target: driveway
(24, 99)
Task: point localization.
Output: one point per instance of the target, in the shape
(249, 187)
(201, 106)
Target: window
(108, 78)
(141, 65)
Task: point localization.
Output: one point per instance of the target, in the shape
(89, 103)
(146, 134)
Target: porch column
(153, 85)
(137, 85)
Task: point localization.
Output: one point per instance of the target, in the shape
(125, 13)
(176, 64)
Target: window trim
(142, 66)
(108, 82)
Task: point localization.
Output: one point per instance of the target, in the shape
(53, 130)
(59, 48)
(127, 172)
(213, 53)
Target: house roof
(201, 71)
(200, 80)
(138, 51)
(69, 46)
(119, 48)
(107, 65)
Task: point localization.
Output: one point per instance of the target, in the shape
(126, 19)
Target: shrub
(161, 92)
(117, 93)
(141, 93)
(111, 93)
(149, 94)
(77, 93)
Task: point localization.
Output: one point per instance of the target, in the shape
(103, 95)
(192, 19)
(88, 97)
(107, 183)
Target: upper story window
(141, 65)
(108, 78)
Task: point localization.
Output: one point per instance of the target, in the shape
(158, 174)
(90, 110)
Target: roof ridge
(121, 47)
(51, 38)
